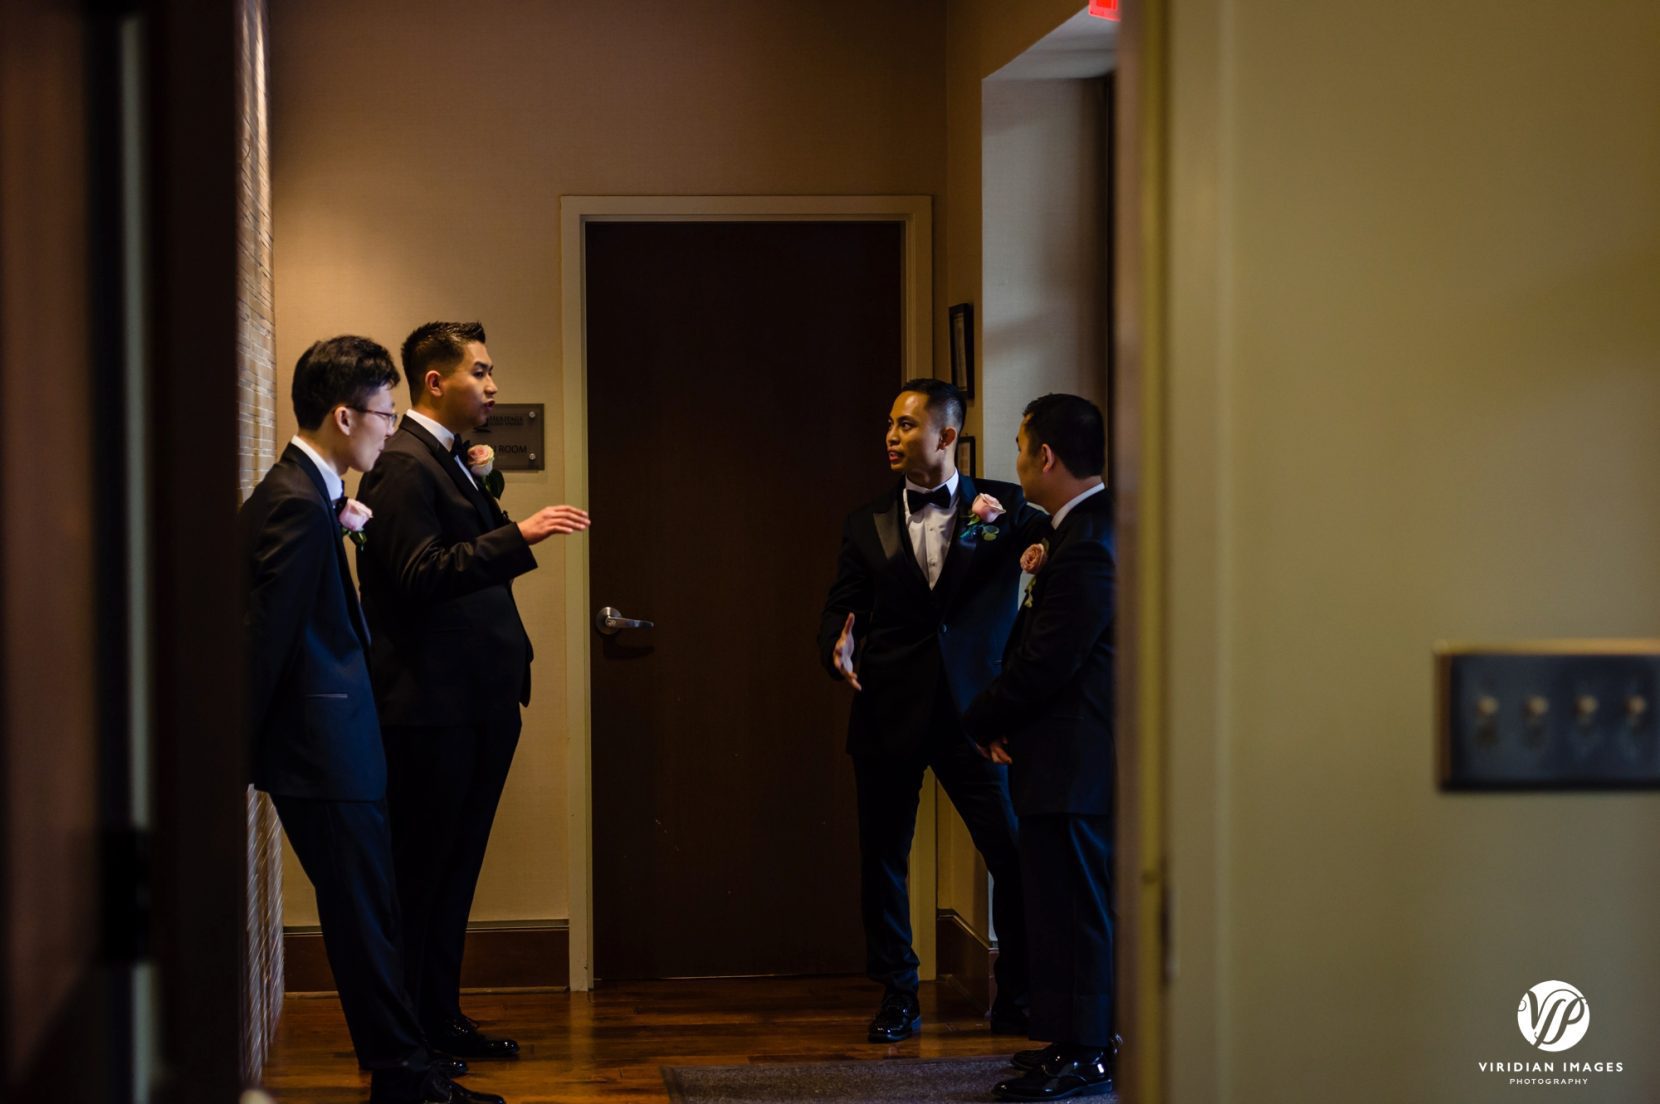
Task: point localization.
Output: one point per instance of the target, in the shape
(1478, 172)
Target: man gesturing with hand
(924, 598)
(450, 660)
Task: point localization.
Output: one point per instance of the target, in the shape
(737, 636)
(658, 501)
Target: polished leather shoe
(462, 1039)
(1032, 1059)
(450, 1067)
(461, 1095)
(900, 1017)
(1072, 1072)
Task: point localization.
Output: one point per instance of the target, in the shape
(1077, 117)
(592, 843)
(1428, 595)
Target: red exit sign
(1104, 9)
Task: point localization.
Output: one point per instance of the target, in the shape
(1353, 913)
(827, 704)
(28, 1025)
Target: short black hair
(945, 402)
(438, 345)
(1073, 429)
(342, 370)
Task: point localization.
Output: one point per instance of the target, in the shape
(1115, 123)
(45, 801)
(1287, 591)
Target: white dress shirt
(445, 438)
(331, 478)
(1060, 515)
(930, 529)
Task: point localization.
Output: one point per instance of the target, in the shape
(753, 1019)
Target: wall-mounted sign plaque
(515, 432)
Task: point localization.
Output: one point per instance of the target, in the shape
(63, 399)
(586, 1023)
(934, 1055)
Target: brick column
(257, 428)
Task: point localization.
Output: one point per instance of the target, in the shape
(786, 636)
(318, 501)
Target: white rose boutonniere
(481, 461)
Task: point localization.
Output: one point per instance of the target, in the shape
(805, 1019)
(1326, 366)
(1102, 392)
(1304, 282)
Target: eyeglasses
(391, 416)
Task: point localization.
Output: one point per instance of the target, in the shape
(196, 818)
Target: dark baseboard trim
(963, 958)
(505, 955)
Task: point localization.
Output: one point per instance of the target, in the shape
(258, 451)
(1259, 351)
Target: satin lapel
(446, 463)
(895, 540)
(959, 557)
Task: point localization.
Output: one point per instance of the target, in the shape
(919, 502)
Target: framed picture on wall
(962, 348)
(967, 457)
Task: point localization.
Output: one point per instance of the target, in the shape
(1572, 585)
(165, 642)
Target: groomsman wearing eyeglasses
(450, 658)
(316, 736)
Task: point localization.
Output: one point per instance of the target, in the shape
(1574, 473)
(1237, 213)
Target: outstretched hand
(551, 520)
(844, 654)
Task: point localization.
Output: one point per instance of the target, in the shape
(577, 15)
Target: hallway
(609, 1044)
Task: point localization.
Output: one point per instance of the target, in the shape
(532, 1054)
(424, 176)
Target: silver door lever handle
(610, 621)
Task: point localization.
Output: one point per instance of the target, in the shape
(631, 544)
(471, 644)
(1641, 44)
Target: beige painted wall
(1043, 284)
(1414, 382)
(419, 153)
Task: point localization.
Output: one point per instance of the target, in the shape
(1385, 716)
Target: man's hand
(844, 654)
(549, 520)
(997, 751)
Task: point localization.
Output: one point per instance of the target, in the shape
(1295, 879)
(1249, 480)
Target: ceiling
(1082, 47)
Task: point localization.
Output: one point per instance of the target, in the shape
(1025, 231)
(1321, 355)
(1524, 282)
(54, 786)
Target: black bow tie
(339, 504)
(916, 500)
(458, 449)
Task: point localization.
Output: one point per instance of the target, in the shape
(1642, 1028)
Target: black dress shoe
(462, 1039)
(1032, 1059)
(900, 1017)
(450, 1067)
(459, 1095)
(1070, 1073)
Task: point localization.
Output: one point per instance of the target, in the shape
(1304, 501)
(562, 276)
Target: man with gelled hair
(450, 657)
(924, 596)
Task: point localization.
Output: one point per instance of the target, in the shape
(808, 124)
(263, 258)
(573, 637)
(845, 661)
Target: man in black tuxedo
(316, 737)
(924, 598)
(450, 658)
(1049, 714)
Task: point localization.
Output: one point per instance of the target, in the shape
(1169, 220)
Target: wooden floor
(608, 1045)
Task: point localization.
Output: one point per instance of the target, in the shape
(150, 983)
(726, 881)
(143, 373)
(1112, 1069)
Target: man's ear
(948, 438)
(433, 381)
(1048, 455)
(339, 417)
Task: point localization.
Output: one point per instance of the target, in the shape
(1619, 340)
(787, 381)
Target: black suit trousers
(346, 851)
(1066, 861)
(888, 790)
(443, 784)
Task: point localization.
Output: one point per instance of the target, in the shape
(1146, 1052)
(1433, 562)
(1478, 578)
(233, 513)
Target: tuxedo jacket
(436, 569)
(910, 637)
(1054, 697)
(311, 706)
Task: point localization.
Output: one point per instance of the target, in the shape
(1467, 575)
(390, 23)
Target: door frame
(915, 214)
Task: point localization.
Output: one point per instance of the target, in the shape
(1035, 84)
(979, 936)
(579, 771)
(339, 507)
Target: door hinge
(126, 894)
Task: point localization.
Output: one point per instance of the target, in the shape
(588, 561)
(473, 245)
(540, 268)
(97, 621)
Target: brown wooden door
(738, 377)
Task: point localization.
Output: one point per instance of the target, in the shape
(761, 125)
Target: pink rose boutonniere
(353, 517)
(481, 461)
(1031, 562)
(981, 519)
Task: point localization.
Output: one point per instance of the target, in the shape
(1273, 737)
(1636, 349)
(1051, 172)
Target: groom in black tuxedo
(316, 737)
(450, 657)
(924, 598)
(1049, 715)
